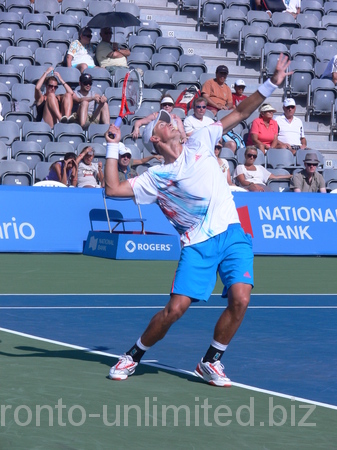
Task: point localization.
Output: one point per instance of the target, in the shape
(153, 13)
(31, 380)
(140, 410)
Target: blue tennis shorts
(229, 253)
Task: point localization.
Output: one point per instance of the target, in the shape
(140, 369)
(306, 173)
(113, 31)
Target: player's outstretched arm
(250, 104)
(113, 187)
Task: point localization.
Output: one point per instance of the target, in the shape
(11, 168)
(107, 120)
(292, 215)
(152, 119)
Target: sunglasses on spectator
(218, 147)
(107, 32)
(200, 107)
(250, 155)
(87, 35)
(52, 86)
(166, 104)
(127, 155)
(311, 164)
(87, 83)
(289, 107)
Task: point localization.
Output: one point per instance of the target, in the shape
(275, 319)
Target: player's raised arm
(113, 187)
(250, 104)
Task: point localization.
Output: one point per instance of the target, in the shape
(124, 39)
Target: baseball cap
(148, 131)
(223, 69)
(266, 107)
(289, 102)
(124, 151)
(86, 78)
(239, 83)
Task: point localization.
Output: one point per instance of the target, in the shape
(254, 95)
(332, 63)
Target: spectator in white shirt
(291, 133)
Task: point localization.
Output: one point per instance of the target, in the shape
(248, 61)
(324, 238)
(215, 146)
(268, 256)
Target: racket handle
(118, 122)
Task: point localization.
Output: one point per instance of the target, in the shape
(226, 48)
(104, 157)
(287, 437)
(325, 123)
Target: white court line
(151, 295)
(172, 369)
(155, 307)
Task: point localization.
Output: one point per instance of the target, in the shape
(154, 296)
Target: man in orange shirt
(216, 91)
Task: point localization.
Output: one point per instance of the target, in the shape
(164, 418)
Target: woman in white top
(80, 52)
(254, 177)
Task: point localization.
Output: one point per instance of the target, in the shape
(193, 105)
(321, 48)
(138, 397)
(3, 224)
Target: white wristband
(267, 88)
(112, 150)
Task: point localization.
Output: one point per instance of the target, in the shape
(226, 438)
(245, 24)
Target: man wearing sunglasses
(309, 180)
(199, 120)
(92, 107)
(291, 132)
(108, 54)
(52, 108)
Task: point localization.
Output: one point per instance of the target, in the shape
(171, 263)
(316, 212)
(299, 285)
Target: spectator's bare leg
(66, 104)
(82, 113)
(231, 145)
(51, 111)
(102, 113)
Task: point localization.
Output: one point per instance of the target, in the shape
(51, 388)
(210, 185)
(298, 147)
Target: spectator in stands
(126, 163)
(167, 104)
(239, 87)
(91, 106)
(199, 120)
(254, 177)
(224, 166)
(65, 171)
(264, 130)
(330, 71)
(52, 108)
(108, 54)
(293, 7)
(81, 52)
(291, 133)
(216, 91)
(90, 174)
(308, 180)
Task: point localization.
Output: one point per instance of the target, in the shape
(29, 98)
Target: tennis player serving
(195, 197)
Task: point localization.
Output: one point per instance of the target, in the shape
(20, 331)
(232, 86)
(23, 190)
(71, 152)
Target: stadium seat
(139, 60)
(74, 8)
(252, 40)
(100, 77)
(280, 158)
(158, 79)
(55, 151)
(96, 133)
(41, 170)
(279, 184)
(149, 28)
(165, 62)
(9, 132)
(3, 151)
(20, 57)
(269, 57)
(56, 39)
(15, 173)
(27, 38)
(280, 35)
(48, 57)
(47, 7)
(28, 152)
(39, 132)
(192, 63)
(142, 44)
(68, 24)
(184, 80)
(321, 97)
(302, 53)
(313, 7)
(69, 132)
(279, 19)
(259, 18)
(37, 22)
(21, 7)
(18, 112)
(297, 84)
(304, 36)
(169, 45)
(131, 8)
(209, 12)
(230, 25)
(327, 37)
(151, 99)
(10, 21)
(239, 5)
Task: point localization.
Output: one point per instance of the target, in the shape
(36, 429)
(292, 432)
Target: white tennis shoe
(125, 367)
(213, 373)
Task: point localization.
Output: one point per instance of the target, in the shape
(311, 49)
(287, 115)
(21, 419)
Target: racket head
(132, 93)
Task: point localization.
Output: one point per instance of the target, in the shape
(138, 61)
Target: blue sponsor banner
(44, 219)
(132, 246)
(289, 223)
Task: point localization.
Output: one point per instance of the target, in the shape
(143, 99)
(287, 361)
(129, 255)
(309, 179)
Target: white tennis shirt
(192, 191)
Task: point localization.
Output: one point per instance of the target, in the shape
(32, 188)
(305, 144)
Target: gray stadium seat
(69, 132)
(165, 62)
(27, 38)
(68, 24)
(252, 40)
(278, 184)
(28, 152)
(55, 151)
(9, 132)
(74, 8)
(209, 12)
(39, 132)
(47, 7)
(15, 173)
(41, 170)
(139, 60)
(56, 39)
(230, 25)
(297, 83)
(280, 158)
(192, 63)
(142, 44)
(169, 45)
(37, 22)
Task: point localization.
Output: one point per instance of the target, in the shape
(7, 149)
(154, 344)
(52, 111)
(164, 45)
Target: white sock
(142, 346)
(218, 345)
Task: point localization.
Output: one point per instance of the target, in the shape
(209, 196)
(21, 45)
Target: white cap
(239, 83)
(124, 151)
(289, 102)
(148, 131)
(167, 100)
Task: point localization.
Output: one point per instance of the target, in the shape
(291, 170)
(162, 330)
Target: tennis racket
(132, 95)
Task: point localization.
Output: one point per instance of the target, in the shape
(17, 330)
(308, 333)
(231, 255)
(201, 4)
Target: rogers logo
(14, 230)
(130, 246)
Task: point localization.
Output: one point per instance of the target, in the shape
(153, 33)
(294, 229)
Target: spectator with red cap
(216, 91)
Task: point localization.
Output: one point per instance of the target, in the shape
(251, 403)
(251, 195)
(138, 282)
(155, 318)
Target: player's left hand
(281, 70)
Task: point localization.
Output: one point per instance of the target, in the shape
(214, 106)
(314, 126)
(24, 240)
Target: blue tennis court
(286, 344)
